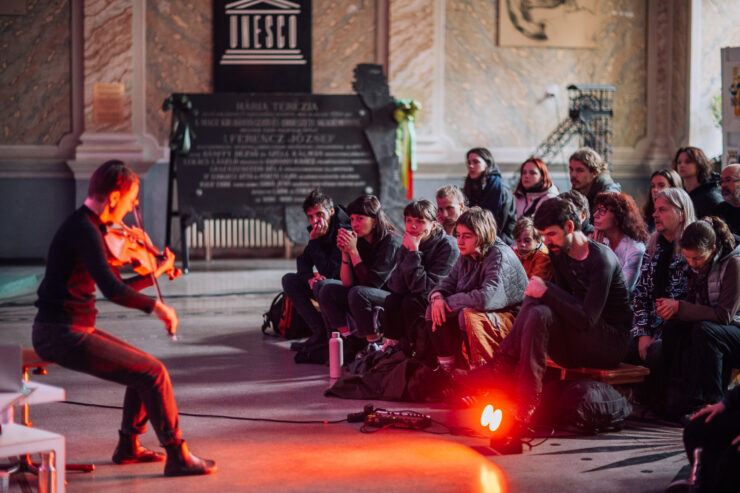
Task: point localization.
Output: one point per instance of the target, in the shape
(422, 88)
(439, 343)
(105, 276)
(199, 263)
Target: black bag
(284, 319)
(583, 406)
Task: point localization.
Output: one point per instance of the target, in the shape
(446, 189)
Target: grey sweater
(494, 283)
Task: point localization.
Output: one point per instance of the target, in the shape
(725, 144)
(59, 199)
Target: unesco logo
(262, 32)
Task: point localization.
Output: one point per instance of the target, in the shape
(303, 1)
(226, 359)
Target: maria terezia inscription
(253, 155)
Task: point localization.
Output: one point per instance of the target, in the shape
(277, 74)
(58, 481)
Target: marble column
(416, 63)
(658, 145)
(114, 40)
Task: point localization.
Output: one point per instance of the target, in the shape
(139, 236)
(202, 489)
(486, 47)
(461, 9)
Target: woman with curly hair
(534, 187)
(618, 224)
(701, 183)
(659, 180)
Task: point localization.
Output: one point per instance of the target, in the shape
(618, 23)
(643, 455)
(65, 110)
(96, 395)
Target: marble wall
(179, 56)
(495, 95)
(35, 85)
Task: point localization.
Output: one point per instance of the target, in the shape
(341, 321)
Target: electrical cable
(450, 430)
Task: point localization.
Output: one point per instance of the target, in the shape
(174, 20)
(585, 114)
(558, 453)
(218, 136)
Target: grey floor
(229, 379)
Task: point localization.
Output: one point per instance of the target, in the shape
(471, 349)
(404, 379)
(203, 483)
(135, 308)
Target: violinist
(64, 330)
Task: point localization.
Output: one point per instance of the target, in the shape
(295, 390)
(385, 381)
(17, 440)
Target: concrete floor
(229, 379)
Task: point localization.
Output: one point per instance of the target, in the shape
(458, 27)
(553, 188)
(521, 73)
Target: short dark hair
(421, 209)
(317, 198)
(111, 176)
(482, 224)
(579, 201)
(556, 212)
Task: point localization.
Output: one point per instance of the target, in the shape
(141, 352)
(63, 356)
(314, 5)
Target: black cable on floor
(221, 416)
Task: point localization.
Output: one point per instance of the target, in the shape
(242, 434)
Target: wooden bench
(623, 374)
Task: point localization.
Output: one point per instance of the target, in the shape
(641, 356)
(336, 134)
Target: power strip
(398, 419)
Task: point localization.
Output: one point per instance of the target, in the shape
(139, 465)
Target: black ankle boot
(130, 451)
(180, 462)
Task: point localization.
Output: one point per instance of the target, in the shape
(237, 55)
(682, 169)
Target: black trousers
(569, 340)
(148, 395)
(403, 315)
(696, 362)
(719, 460)
(298, 292)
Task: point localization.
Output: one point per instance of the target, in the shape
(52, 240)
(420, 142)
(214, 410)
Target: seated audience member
(729, 210)
(368, 258)
(531, 250)
(708, 318)
(619, 225)
(659, 180)
(664, 273)
(485, 188)
(534, 187)
(581, 318)
(480, 296)
(701, 183)
(715, 429)
(580, 202)
(425, 257)
(321, 253)
(450, 204)
(590, 175)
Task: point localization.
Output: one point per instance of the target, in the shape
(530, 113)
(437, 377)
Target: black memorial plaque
(259, 155)
(262, 46)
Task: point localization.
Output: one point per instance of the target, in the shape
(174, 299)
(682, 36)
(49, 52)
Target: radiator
(235, 235)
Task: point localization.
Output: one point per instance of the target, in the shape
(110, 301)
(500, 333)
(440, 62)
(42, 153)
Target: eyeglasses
(726, 181)
(601, 210)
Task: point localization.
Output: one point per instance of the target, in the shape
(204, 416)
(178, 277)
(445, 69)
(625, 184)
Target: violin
(132, 245)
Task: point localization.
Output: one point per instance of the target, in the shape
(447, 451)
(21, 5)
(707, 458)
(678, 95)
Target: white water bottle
(336, 355)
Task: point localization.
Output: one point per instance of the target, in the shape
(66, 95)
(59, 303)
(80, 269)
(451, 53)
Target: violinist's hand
(168, 315)
(167, 265)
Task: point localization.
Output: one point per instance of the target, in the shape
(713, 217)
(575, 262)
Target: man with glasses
(729, 209)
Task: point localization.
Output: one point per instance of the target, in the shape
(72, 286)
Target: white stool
(18, 440)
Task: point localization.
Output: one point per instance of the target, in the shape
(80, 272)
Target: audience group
(489, 284)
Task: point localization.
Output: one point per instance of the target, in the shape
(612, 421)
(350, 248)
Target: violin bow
(140, 223)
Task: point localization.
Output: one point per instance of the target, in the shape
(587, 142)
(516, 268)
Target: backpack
(284, 319)
(583, 406)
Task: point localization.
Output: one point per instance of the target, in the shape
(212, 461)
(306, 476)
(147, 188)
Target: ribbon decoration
(405, 114)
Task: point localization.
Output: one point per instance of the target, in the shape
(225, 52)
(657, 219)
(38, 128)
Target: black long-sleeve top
(378, 261)
(596, 286)
(322, 252)
(77, 261)
(420, 271)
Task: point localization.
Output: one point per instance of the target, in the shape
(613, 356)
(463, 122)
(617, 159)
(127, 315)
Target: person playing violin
(64, 330)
